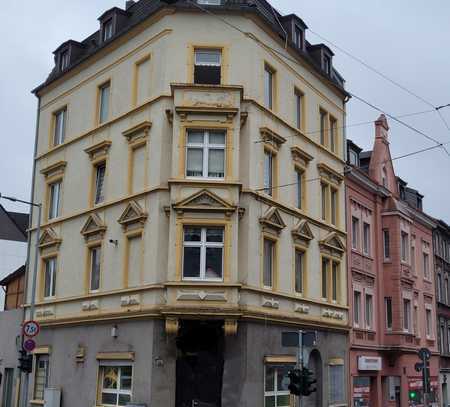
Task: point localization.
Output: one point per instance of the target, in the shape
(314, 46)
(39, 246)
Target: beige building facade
(191, 176)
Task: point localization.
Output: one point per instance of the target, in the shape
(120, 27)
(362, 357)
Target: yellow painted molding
(141, 128)
(115, 356)
(99, 149)
(204, 201)
(336, 362)
(269, 136)
(49, 238)
(330, 173)
(56, 169)
(93, 226)
(210, 88)
(281, 359)
(300, 156)
(42, 350)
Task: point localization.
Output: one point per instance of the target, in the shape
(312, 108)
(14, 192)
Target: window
(323, 127)
(386, 245)
(299, 271)
(441, 338)
(448, 339)
(50, 278)
(203, 253)
(268, 172)
(416, 320)
(353, 158)
(95, 258)
(333, 135)
(60, 127)
(300, 190)
(205, 154)
(299, 109)
(337, 384)
(335, 281)
(404, 246)
(356, 307)
(429, 322)
(64, 60)
(406, 314)
(426, 265)
(210, 2)
(208, 66)
(369, 311)
(55, 197)
(327, 64)
(269, 86)
(334, 206)
(325, 265)
(366, 238)
(324, 196)
(445, 295)
(276, 392)
(115, 384)
(268, 266)
(104, 96)
(107, 29)
(355, 233)
(298, 37)
(413, 256)
(100, 171)
(41, 376)
(439, 287)
(388, 307)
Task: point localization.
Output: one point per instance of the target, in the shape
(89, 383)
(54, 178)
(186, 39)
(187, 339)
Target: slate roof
(13, 225)
(143, 9)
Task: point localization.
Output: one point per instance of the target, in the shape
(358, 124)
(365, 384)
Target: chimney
(381, 128)
(128, 4)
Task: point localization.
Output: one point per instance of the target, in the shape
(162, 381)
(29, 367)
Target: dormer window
(107, 30)
(327, 64)
(298, 37)
(64, 60)
(353, 158)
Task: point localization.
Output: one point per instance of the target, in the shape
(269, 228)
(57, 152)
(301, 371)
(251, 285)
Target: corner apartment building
(391, 284)
(441, 246)
(193, 191)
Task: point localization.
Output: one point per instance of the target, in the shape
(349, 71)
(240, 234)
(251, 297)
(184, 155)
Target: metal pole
(35, 265)
(300, 359)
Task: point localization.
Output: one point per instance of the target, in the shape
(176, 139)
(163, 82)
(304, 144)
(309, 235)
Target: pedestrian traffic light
(25, 362)
(295, 385)
(308, 380)
(413, 396)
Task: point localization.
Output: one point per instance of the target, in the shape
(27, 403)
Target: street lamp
(36, 252)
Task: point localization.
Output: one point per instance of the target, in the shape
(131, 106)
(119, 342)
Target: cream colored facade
(148, 198)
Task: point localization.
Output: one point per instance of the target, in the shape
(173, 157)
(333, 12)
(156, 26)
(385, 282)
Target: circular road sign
(29, 345)
(424, 353)
(31, 328)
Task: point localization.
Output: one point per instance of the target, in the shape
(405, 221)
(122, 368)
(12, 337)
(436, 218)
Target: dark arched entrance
(315, 365)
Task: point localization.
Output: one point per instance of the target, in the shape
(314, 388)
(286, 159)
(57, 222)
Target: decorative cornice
(329, 173)
(270, 137)
(300, 156)
(57, 168)
(132, 214)
(141, 130)
(49, 238)
(272, 219)
(229, 112)
(204, 201)
(99, 149)
(93, 225)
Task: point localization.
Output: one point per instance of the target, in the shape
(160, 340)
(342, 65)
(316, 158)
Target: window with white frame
(429, 322)
(268, 262)
(41, 376)
(104, 96)
(205, 154)
(369, 311)
(268, 172)
(54, 200)
(356, 308)
(100, 171)
(404, 246)
(386, 244)
(388, 309)
(276, 392)
(203, 253)
(366, 238)
(337, 384)
(116, 383)
(50, 277)
(64, 60)
(355, 233)
(269, 84)
(95, 266)
(406, 314)
(59, 126)
(107, 29)
(208, 66)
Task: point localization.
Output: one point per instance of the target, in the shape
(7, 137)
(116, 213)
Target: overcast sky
(405, 39)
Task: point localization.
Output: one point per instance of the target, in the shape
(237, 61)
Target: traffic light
(25, 362)
(308, 380)
(295, 385)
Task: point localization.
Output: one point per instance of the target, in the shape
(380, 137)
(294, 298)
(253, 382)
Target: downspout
(23, 392)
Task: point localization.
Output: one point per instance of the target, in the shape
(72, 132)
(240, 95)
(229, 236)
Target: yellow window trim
(280, 359)
(103, 84)
(42, 350)
(303, 249)
(224, 66)
(115, 356)
(134, 86)
(273, 239)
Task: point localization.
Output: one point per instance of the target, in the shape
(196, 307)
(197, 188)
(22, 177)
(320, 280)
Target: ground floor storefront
(206, 363)
(379, 379)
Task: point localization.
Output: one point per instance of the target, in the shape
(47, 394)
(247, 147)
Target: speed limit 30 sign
(31, 329)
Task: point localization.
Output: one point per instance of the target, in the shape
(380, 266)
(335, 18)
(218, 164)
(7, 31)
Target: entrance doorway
(200, 360)
(8, 388)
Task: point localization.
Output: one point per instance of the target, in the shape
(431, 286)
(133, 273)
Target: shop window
(115, 382)
(276, 392)
(41, 376)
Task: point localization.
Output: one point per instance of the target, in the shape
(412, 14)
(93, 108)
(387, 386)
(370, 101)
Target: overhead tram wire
(283, 55)
(387, 78)
(423, 150)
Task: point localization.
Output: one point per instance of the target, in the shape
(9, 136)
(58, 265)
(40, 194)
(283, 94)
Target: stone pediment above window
(204, 201)
(271, 138)
(185, 111)
(94, 228)
(98, 150)
(56, 169)
(49, 240)
(138, 132)
(300, 157)
(272, 221)
(302, 232)
(333, 245)
(329, 174)
(133, 216)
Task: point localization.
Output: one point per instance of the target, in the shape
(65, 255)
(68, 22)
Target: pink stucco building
(390, 274)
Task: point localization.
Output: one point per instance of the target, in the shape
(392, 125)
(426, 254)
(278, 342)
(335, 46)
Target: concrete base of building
(199, 362)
